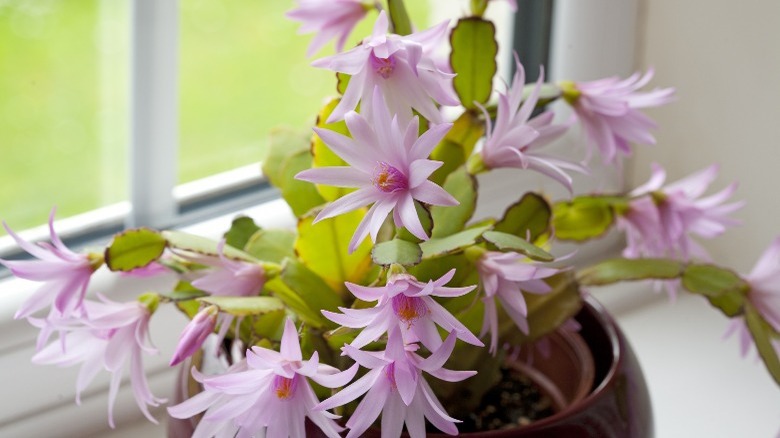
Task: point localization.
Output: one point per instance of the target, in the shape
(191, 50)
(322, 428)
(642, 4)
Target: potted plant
(390, 305)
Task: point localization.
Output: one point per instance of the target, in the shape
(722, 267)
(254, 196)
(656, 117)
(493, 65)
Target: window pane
(244, 72)
(63, 107)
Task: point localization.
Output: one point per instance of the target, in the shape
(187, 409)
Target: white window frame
(43, 397)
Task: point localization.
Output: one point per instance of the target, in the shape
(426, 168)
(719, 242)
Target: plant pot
(593, 380)
(618, 406)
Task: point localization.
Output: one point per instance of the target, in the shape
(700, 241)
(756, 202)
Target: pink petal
(346, 148)
(409, 219)
(437, 359)
(350, 98)
(393, 416)
(430, 193)
(353, 391)
(425, 144)
(291, 347)
(369, 408)
(365, 293)
(420, 170)
(336, 380)
(348, 202)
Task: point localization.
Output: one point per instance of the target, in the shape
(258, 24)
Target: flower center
(284, 387)
(382, 66)
(388, 179)
(409, 308)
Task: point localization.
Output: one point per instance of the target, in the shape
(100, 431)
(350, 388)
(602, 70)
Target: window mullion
(154, 112)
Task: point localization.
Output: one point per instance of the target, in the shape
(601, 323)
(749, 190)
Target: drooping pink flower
(609, 111)
(195, 333)
(514, 140)
(113, 334)
(235, 278)
(504, 277)
(389, 166)
(764, 295)
(395, 387)
(64, 273)
(661, 219)
(268, 392)
(407, 304)
(764, 282)
(329, 19)
(402, 68)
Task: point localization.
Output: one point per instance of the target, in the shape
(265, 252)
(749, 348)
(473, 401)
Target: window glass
(63, 107)
(243, 72)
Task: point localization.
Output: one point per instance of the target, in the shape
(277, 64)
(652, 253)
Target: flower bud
(195, 333)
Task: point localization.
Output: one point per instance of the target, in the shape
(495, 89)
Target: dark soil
(516, 400)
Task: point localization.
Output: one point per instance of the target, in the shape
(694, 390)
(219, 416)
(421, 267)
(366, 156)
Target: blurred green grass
(64, 95)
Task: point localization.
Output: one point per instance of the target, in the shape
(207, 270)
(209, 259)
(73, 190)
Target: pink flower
(764, 295)
(505, 276)
(388, 165)
(514, 139)
(114, 334)
(401, 66)
(661, 219)
(764, 282)
(407, 304)
(64, 273)
(609, 111)
(395, 387)
(268, 392)
(230, 277)
(195, 333)
(330, 19)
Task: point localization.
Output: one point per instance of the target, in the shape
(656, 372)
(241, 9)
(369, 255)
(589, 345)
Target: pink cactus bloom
(388, 165)
(195, 333)
(329, 19)
(407, 304)
(401, 66)
(514, 140)
(661, 219)
(235, 278)
(764, 295)
(268, 392)
(764, 282)
(395, 387)
(64, 273)
(609, 111)
(114, 334)
(504, 277)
